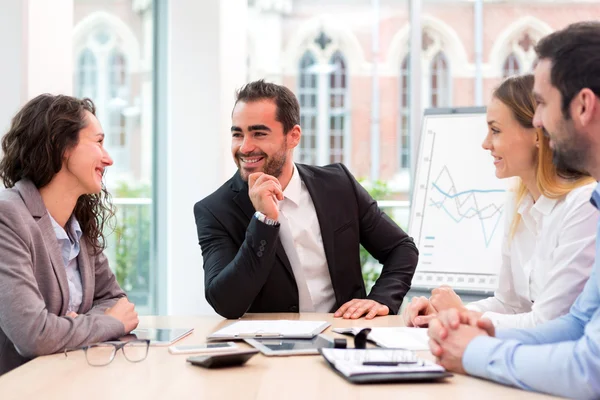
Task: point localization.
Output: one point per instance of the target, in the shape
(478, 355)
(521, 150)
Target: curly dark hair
(34, 149)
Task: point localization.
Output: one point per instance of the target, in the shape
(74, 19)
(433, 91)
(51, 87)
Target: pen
(388, 363)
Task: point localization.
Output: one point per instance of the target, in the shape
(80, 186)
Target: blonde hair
(516, 93)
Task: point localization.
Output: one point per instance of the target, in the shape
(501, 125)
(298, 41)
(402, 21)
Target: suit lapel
(33, 200)
(87, 277)
(320, 200)
(243, 201)
(56, 258)
(284, 259)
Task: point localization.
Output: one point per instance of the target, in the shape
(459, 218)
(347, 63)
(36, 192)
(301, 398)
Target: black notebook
(382, 365)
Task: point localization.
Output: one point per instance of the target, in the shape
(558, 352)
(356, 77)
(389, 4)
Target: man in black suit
(284, 237)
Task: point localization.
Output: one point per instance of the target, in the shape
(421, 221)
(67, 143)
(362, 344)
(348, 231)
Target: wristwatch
(265, 220)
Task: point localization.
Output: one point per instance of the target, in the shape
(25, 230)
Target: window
(112, 44)
(118, 75)
(439, 81)
(323, 140)
(337, 108)
(511, 66)
(117, 131)
(307, 93)
(404, 136)
(103, 76)
(86, 80)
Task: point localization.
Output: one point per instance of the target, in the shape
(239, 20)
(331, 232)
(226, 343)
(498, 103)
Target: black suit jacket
(246, 268)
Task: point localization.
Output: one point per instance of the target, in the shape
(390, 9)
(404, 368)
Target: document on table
(381, 365)
(291, 329)
(394, 337)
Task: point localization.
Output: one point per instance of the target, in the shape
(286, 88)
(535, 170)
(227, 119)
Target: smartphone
(222, 360)
(203, 348)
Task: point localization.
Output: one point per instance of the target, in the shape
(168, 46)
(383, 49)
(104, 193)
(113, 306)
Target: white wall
(206, 62)
(11, 37)
(49, 52)
(35, 41)
(266, 41)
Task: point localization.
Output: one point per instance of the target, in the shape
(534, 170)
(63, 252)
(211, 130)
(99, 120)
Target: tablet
(290, 347)
(161, 337)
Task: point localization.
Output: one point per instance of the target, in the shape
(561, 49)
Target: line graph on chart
(458, 209)
(472, 204)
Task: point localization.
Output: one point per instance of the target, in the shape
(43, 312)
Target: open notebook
(270, 329)
(381, 365)
(394, 337)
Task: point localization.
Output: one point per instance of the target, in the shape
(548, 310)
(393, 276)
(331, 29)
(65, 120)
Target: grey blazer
(34, 291)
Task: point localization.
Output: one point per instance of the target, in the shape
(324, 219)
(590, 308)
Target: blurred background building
(163, 75)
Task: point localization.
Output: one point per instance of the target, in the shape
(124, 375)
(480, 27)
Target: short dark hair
(288, 108)
(34, 148)
(574, 53)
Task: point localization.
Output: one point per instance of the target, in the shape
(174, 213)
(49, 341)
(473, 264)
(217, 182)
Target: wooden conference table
(166, 376)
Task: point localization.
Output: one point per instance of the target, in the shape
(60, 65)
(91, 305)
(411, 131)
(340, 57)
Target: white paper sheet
(275, 329)
(394, 337)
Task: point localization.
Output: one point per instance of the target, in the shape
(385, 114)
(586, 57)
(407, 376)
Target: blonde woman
(548, 247)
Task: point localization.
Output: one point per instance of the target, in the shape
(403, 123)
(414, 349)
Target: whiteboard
(457, 211)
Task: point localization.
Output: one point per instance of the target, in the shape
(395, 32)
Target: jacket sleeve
(234, 275)
(389, 245)
(27, 323)
(107, 290)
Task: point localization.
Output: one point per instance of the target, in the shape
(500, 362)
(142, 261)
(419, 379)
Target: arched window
(102, 74)
(116, 132)
(337, 107)
(404, 137)
(87, 75)
(439, 81)
(118, 101)
(118, 75)
(307, 93)
(511, 66)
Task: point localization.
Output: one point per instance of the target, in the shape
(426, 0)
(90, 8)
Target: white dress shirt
(546, 263)
(300, 235)
(69, 247)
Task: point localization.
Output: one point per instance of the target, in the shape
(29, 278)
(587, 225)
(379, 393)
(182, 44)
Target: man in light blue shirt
(562, 356)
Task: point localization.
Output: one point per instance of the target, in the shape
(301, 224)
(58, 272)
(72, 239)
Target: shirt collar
(595, 200)
(73, 227)
(294, 187)
(543, 205)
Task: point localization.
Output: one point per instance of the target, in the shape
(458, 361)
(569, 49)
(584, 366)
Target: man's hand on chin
(356, 308)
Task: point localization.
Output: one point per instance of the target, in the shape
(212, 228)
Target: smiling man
(562, 356)
(285, 237)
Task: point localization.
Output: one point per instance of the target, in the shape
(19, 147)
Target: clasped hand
(421, 310)
(451, 331)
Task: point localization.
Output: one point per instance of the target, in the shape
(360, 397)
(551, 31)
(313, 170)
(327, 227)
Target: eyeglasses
(100, 354)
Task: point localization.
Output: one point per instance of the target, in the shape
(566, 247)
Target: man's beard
(273, 165)
(570, 155)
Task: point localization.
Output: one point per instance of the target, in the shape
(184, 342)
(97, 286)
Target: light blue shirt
(70, 250)
(560, 357)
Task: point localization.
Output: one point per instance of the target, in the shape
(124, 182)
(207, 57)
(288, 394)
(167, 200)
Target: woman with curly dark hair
(56, 288)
